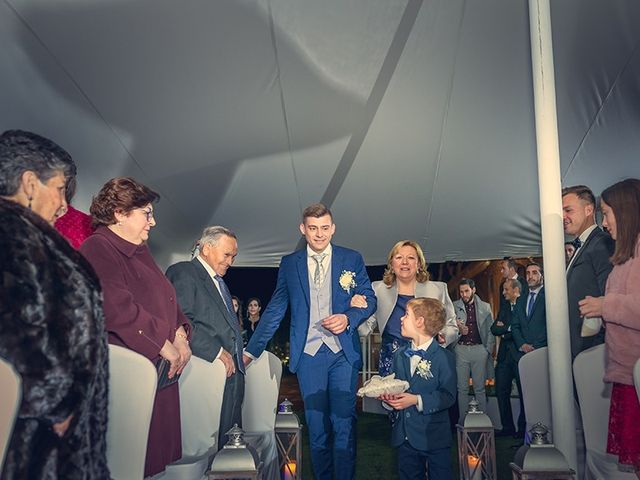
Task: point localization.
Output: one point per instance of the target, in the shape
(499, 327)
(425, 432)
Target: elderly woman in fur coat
(52, 322)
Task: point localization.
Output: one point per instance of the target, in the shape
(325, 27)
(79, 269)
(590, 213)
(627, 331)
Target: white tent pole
(560, 375)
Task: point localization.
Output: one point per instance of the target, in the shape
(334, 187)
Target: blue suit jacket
(530, 329)
(292, 289)
(429, 429)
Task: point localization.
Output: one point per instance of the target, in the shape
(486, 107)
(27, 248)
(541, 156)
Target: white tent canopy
(410, 118)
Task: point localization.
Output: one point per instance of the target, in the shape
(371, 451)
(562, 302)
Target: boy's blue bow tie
(420, 353)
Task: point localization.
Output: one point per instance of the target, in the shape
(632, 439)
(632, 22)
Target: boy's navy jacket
(429, 429)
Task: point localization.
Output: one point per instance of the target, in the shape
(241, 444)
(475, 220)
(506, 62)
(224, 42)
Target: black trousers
(231, 406)
(412, 463)
(506, 371)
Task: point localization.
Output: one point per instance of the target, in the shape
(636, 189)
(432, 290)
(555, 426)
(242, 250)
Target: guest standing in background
(237, 308)
(474, 349)
(405, 277)
(620, 310)
(254, 306)
(52, 321)
(73, 225)
(569, 250)
(140, 304)
(507, 361)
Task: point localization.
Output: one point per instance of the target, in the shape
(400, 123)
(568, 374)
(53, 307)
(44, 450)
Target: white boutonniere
(347, 280)
(424, 369)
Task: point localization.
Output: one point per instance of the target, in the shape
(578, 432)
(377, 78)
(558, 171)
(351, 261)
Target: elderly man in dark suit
(589, 267)
(205, 299)
(507, 360)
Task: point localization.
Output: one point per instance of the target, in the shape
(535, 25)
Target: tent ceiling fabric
(415, 118)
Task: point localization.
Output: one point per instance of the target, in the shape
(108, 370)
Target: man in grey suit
(204, 297)
(589, 267)
(474, 350)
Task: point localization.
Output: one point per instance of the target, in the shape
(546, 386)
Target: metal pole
(560, 374)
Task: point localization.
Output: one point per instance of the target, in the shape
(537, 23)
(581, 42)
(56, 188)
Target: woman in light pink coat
(620, 309)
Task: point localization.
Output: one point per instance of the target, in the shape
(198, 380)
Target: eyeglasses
(148, 214)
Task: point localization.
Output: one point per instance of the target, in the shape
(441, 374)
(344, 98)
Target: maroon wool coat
(141, 313)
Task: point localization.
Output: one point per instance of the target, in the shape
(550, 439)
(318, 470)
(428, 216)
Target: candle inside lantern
(475, 467)
(290, 470)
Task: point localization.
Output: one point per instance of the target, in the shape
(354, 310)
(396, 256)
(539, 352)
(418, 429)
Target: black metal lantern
(236, 460)
(541, 459)
(289, 441)
(476, 446)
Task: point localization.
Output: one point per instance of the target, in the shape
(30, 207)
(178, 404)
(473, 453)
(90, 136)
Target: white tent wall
(241, 112)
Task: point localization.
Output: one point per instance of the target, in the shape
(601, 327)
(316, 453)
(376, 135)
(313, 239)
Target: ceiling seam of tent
(74, 82)
(445, 118)
(380, 86)
(614, 84)
(283, 106)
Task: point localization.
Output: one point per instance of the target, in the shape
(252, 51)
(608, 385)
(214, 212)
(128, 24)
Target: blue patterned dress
(392, 339)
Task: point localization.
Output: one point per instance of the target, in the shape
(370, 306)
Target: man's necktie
(532, 300)
(577, 243)
(226, 295)
(318, 274)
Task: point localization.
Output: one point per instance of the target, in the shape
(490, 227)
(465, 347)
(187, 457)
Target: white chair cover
(595, 398)
(11, 394)
(259, 409)
(262, 385)
(132, 390)
(636, 377)
(536, 390)
(201, 390)
(534, 378)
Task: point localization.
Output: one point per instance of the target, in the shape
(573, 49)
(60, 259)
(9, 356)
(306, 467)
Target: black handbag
(162, 367)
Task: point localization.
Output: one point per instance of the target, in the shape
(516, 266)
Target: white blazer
(388, 296)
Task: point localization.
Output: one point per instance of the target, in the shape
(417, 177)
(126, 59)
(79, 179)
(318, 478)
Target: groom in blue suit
(317, 283)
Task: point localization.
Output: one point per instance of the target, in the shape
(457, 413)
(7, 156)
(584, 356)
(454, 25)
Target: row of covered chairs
(592, 413)
(132, 387)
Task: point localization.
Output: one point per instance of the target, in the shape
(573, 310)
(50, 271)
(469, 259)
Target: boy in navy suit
(421, 431)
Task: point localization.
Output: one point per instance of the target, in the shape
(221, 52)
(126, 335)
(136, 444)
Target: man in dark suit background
(507, 361)
(529, 324)
(589, 267)
(509, 270)
(204, 298)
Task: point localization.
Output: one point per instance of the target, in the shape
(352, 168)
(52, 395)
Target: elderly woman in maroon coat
(139, 302)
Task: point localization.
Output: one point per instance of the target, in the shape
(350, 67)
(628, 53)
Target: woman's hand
(591, 306)
(359, 301)
(171, 353)
(61, 428)
(182, 345)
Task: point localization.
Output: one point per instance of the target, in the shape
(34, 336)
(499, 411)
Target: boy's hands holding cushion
(400, 401)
